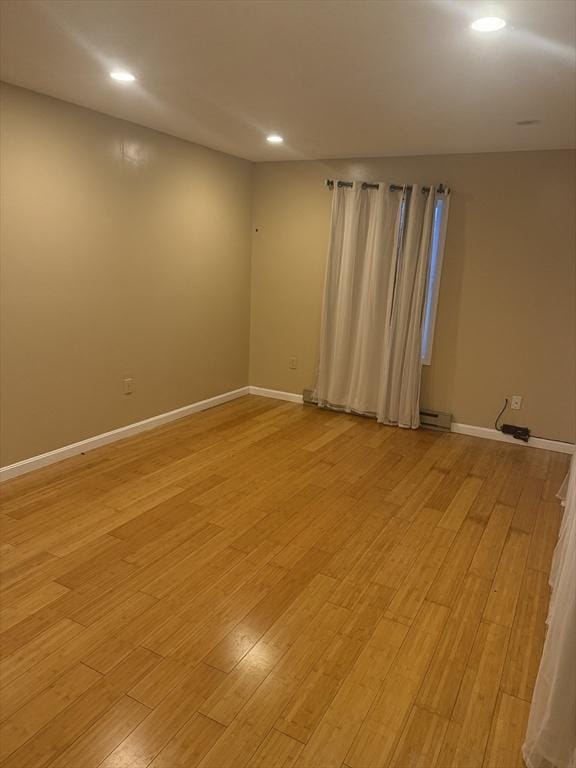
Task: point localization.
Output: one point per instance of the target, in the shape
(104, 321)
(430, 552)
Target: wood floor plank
(152, 735)
(527, 638)
(97, 741)
(458, 508)
(479, 698)
(264, 614)
(155, 686)
(545, 536)
(448, 582)
(364, 649)
(412, 592)
(30, 718)
(276, 751)
(449, 745)
(267, 585)
(243, 736)
(187, 748)
(73, 721)
(489, 551)
(21, 609)
(13, 639)
(421, 742)
(444, 675)
(373, 744)
(527, 508)
(508, 731)
(515, 478)
(32, 653)
(229, 699)
(501, 605)
(29, 684)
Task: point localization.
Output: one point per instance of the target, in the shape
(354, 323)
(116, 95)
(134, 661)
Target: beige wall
(506, 317)
(114, 267)
(139, 265)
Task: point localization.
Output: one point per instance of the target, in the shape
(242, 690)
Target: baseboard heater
(308, 397)
(430, 419)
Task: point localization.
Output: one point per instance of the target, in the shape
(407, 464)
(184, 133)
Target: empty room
(288, 384)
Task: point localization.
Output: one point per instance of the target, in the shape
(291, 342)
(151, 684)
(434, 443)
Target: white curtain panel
(372, 322)
(551, 734)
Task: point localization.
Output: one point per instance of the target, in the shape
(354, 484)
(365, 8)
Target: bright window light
(488, 24)
(122, 77)
(434, 272)
(433, 282)
(274, 138)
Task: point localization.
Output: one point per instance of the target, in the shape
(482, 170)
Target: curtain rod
(367, 185)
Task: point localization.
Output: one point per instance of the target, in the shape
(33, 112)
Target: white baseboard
(463, 429)
(291, 397)
(36, 462)
(45, 459)
(494, 434)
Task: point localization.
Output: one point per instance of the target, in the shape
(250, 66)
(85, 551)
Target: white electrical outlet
(516, 402)
(293, 363)
(128, 385)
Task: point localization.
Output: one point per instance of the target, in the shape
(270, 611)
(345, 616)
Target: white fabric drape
(551, 733)
(371, 337)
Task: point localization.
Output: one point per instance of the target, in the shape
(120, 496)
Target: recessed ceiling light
(274, 139)
(488, 24)
(122, 77)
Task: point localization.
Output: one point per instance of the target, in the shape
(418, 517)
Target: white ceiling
(337, 78)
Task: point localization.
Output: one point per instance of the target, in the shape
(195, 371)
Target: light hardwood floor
(268, 585)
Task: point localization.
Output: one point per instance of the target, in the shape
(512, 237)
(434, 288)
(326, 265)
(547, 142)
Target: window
(434, 273)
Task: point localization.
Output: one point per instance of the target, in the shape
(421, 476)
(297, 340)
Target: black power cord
(520, 433)
(500, 414)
